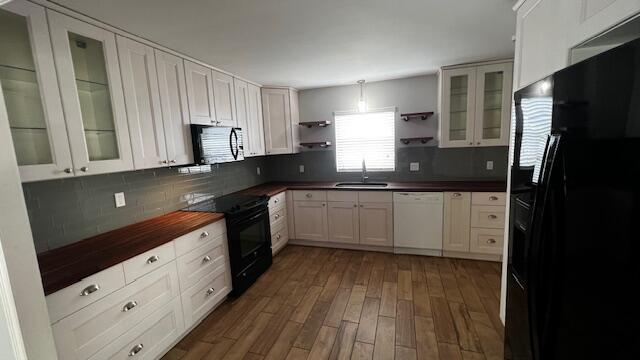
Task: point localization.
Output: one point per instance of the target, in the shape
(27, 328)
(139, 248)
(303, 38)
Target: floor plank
(427, 346)
(355, 303)
(384, 347)
(302, 311)
(345, 339)
(368, 321)
(282, 345)
(445, 329)
(405, 329)
(323, 344)
(405, 286)
(338, 306)
(312, 326)
(389, 299)
(403, 353)
(297, 354)
(374, 289)
(242, 345)
(362, 351)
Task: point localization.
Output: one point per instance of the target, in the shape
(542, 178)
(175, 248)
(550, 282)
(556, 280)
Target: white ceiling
(316, 43)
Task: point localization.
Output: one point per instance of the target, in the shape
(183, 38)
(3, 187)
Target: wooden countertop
(69, 264)
(274, 188)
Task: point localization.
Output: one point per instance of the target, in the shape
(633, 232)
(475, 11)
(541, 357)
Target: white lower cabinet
(311, 220)
(163, 297)
(279, 221)
(149, 339)
(474, 224)
(83, 333)
(344, 217)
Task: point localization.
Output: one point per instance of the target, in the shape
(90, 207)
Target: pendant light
(362, 104)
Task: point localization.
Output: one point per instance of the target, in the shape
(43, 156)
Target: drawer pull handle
(309, 195)
(493, 198)
(277, 216)
(491, 241)
(457, 194)
(204, 234)
(136, 349)
(276, 201)
(90, 289)
(210, 291)
(206, 259)
(130, 305)
(153, 259)
(492, 217)
(278, 236)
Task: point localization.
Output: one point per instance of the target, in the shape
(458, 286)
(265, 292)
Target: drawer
(375, 196)
(148, 261)
(351, 196)
(278, 241)
(277, 200)
(200, 262)
(490, 217)
(85, 332)
(195, 239)
(486, 241)
(488, 198)
(150, 338)
(309, 195)
(91, 289)
(198, 300)
(277, 215)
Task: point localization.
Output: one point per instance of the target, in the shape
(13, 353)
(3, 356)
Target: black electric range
(248, 235)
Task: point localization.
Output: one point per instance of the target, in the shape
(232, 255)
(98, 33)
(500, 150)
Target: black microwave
(216, 144)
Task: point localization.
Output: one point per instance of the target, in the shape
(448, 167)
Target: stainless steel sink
(360, 184)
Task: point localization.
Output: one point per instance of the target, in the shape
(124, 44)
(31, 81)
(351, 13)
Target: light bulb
(362, 105)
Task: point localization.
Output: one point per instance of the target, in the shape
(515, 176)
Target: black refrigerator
(574, 235)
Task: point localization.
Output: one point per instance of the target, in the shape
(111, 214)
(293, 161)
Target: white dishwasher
(418, 222)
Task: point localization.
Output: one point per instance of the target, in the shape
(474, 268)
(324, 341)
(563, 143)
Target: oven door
(249, 238)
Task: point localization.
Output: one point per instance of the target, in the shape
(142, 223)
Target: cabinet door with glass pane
(30, 90)
(458, 107)
(493, 101)
(89, 75)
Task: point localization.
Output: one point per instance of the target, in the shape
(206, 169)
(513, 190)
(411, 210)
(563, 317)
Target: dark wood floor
(317, 303)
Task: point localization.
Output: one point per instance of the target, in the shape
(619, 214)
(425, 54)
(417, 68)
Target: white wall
(409, 95)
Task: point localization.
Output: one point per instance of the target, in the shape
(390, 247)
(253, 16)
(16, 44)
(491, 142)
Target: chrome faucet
(364, 172)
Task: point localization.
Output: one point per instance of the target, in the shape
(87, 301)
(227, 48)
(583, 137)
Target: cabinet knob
(90, 289)
(276, 201)
(172, 161)
(323, 204)
(163, 162)
(471, 143)
(355, 205)
(278, 236)
(457, 194)
(84, 169)
(153, 259)
(277, 216)
(361, 205)
(210, 291)
(67, 170)
(130, 305)
(309, 196)
(493, 198)
(204, 234)
(206, 259)
(492, 217)
(136, 349)
(491, 241)
(478, 143)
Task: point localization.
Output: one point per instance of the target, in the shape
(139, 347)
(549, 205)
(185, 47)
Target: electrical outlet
(301, 169)
(489, 165)
(120, 201)
(414, 166)
(258, 170)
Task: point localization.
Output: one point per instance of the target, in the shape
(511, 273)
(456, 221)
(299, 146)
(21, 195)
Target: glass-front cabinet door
(493, 92)
(31, 95)
(89, 75)
(458, 107)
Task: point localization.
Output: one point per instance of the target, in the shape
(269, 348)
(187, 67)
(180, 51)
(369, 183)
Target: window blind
(369, 136)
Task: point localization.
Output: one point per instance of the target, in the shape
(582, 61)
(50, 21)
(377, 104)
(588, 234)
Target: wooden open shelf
(420, 115)
(322, 144)
(423, 140)
(311, 124)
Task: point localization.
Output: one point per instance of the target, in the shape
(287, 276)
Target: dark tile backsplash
(66, 211)
(435, 164)
(62, 212)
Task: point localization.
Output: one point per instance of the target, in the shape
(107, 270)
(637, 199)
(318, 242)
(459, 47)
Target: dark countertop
(274, 188)
(69, 264)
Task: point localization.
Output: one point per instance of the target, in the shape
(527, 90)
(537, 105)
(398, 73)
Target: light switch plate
(258, 170)
(120, 201)
(414, 166)
(489, 165)
(301, 168)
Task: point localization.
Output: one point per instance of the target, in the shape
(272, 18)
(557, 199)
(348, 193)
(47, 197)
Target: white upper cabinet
(142, 99)
(175, 110)
(200, 94)
(31, 95)
(281, 119)
(249, 116)
(86, 58)
(475, 105)
(224, 97)
(256, 122)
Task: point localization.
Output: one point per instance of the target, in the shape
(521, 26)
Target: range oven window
(252, 237)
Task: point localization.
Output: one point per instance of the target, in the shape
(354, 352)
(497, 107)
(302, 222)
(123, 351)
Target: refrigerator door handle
(538, 317)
